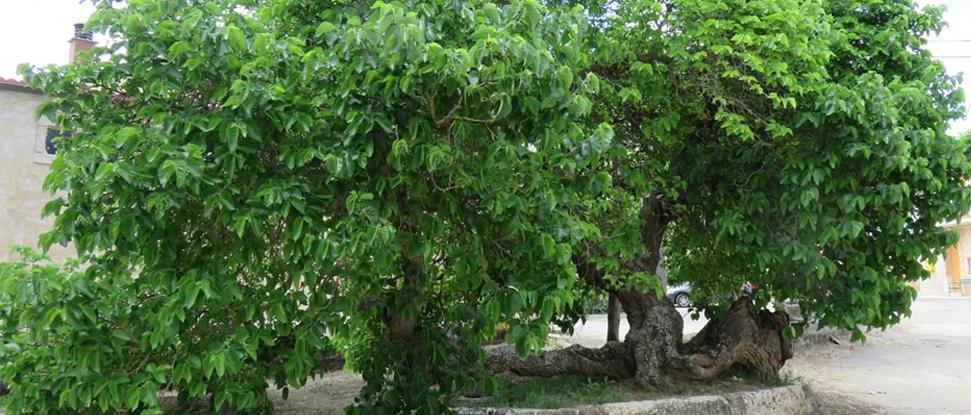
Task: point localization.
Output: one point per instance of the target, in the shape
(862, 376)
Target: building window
(50, 146)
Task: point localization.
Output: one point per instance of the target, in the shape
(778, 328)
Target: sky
(37, 31)
(953, 47)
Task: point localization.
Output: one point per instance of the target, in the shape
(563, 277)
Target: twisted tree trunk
(613, 318)
(613, 361)
(653, 351)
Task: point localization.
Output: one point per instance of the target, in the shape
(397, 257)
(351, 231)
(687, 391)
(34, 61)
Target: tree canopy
(256, 186)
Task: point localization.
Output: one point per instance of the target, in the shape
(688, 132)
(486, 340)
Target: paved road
(593, 333)
(922, 366)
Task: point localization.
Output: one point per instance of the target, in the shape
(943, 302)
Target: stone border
(786, 400)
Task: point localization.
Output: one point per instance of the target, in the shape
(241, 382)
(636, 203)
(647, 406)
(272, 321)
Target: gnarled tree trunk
(613, 318)
(653, 351)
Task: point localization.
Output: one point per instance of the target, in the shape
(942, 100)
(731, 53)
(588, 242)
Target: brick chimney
(81, 42)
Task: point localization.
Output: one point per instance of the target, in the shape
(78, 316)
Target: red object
(12, 82)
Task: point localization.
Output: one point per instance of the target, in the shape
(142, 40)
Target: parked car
(680, 295)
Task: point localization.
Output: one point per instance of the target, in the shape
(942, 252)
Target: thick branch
(654, 57)
(613, 361)
(613, 317)
(620, 67)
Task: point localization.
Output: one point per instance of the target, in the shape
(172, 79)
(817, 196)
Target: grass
(552, 392)
(569, 391)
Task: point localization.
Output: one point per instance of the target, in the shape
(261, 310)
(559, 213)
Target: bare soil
(329, 395)
(326, 395)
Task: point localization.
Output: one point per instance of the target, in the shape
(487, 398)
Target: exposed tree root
(653, 352)
(612, 361)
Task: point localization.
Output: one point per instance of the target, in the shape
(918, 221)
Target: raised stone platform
(786, 400)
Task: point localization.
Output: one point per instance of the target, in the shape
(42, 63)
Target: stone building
(27, 147)
(954, 266)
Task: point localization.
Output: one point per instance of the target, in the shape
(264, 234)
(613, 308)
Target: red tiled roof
(13, 82)
(17, 85)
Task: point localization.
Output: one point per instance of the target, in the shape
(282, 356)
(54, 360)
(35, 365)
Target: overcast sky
(37, 31)
(953, 47)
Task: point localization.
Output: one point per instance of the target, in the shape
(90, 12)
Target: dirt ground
(921, 366)
(330, 394)
(327, 395)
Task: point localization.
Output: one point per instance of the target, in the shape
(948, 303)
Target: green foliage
(255, 185)
(62, 347)
(800, 145)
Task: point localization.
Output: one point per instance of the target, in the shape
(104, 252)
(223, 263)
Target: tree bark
(613, 361)
(744, 336)
(613, 318)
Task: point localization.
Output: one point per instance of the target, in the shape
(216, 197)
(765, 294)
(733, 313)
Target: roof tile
(14, 82)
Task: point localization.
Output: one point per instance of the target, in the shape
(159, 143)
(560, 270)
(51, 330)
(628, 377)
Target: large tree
(800, 145)
(259, 185)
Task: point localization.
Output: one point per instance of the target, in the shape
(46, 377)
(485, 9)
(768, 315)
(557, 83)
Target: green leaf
(236, 37)
(505, 108)
(549, 246)
(191, 292)
(47, 110)
(324, 28)
(513, 303)
(120, 335)
(177, 49)
(219, 400)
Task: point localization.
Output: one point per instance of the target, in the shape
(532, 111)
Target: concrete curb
(787, 400)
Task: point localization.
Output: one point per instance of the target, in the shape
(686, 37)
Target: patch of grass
(556, 392)
(570, 391)
(794, 378)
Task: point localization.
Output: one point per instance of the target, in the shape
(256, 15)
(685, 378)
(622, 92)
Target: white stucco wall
(23, 167)
(936, 285)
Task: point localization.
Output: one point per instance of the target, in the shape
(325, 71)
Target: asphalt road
(921, 366)
(593, 333)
